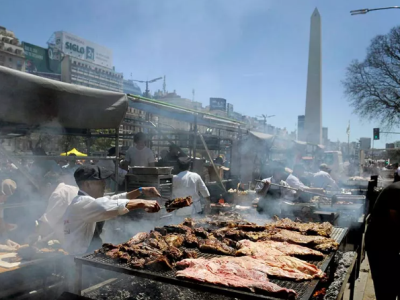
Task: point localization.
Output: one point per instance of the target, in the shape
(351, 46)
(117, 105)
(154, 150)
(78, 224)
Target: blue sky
(251, 52)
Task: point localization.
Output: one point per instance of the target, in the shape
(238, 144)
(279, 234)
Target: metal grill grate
(304, 289)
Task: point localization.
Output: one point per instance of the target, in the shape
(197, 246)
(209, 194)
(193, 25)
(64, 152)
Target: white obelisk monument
(313, 119)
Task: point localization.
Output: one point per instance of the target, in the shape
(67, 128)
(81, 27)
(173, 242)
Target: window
(10, 59)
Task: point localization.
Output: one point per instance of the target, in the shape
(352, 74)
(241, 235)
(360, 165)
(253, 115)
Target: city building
(131, 87)
(42, 62)
(300, 128)
(313, 116)
(365, 143)
(325, 135)
(11, 50)
(389, 146)
(86, 63)
(397, 144)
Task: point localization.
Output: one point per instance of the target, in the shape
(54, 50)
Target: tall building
(131, 87)
(325, 135)
(11, 50)
(365, 143)
(389, 145)
(86, 63)
(313, 117)
(300, 128)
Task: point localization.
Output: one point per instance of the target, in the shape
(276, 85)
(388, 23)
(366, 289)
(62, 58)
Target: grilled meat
(177, 229)
(191, 240)
(200, 232)
(233, 272)
(156, 240)
(161, 230)
(234, 234)
(189, 254)
(229, 242)
(174, 254)
(254, 236)
(251, 227)
(137, 263)
(322, 229)
(215, 246)
(138, 238)
(270, 248)
(105, 248)
(316, 242)
(177, 203)
(189, 222)
(158, 263)
(175, 240)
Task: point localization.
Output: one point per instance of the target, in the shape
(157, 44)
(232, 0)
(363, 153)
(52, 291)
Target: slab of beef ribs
(268, 248)
(322, 229)
(177, 203)
(251, 227)
(215, 246)
(175, 240)
(316, 242)
(247, 273)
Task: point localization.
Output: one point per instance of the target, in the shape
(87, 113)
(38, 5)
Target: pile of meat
(177, 203)
(250, 252)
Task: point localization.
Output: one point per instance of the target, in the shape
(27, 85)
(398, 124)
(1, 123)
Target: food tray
(304, 289)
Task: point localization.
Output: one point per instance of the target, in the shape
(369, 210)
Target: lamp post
(265, 117)
(147, 92)
(367, 10)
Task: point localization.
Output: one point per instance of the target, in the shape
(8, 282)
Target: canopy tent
(40, 102)
(73, 152)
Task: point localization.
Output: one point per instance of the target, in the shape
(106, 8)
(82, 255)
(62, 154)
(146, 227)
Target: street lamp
(147, 93)
(265, 117)
(366, 10)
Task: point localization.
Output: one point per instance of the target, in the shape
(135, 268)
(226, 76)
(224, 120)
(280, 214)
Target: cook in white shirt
(90, 206)
(294, 181)
(51, 223)
(323, 179)
(139, 155)
(188, 183)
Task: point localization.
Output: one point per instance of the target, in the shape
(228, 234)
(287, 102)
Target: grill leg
(78, 278)
(353, 278)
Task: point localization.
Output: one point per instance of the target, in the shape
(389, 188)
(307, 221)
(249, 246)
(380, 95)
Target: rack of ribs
(316, 242)
(268, 248)
(247, 273)
(322, 229)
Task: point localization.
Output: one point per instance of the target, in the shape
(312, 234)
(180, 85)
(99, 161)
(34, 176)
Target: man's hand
(151, 206)
(12, 244)
(151, 192)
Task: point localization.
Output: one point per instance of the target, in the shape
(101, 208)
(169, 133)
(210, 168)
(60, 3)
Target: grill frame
(305, 289)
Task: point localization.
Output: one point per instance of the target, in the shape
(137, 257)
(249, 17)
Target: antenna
(165, 85)
(193, 93)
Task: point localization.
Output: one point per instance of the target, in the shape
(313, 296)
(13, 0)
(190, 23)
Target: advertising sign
(217, 104)
(41, 61)
(77, 47)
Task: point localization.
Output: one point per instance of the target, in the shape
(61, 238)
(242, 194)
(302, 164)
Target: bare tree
(373, 85)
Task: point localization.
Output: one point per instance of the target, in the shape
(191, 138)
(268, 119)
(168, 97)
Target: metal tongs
(294, 189)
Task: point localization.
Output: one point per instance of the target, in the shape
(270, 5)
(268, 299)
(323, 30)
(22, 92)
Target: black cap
(184, 160)
(91, 172)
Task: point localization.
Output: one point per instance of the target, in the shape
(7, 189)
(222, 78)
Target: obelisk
(313, 119)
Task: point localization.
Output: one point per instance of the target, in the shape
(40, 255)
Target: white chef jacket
(58, 203)
(139, 158)
(295, 182)
(286, 193)
(188, 183)
(322, 179)
(81, 217)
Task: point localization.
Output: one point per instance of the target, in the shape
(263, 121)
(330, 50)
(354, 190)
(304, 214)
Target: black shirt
(381, 230)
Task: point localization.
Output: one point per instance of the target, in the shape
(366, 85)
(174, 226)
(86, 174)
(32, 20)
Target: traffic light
(376, 134)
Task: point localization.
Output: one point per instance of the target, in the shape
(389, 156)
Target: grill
(163, 183)
(304, 289)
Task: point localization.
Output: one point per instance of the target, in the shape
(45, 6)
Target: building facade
(11, 50)
(325, 136)
(131, 87)
(300, 128)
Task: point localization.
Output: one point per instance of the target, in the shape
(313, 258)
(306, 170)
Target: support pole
(195, 139)
(116, 159)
